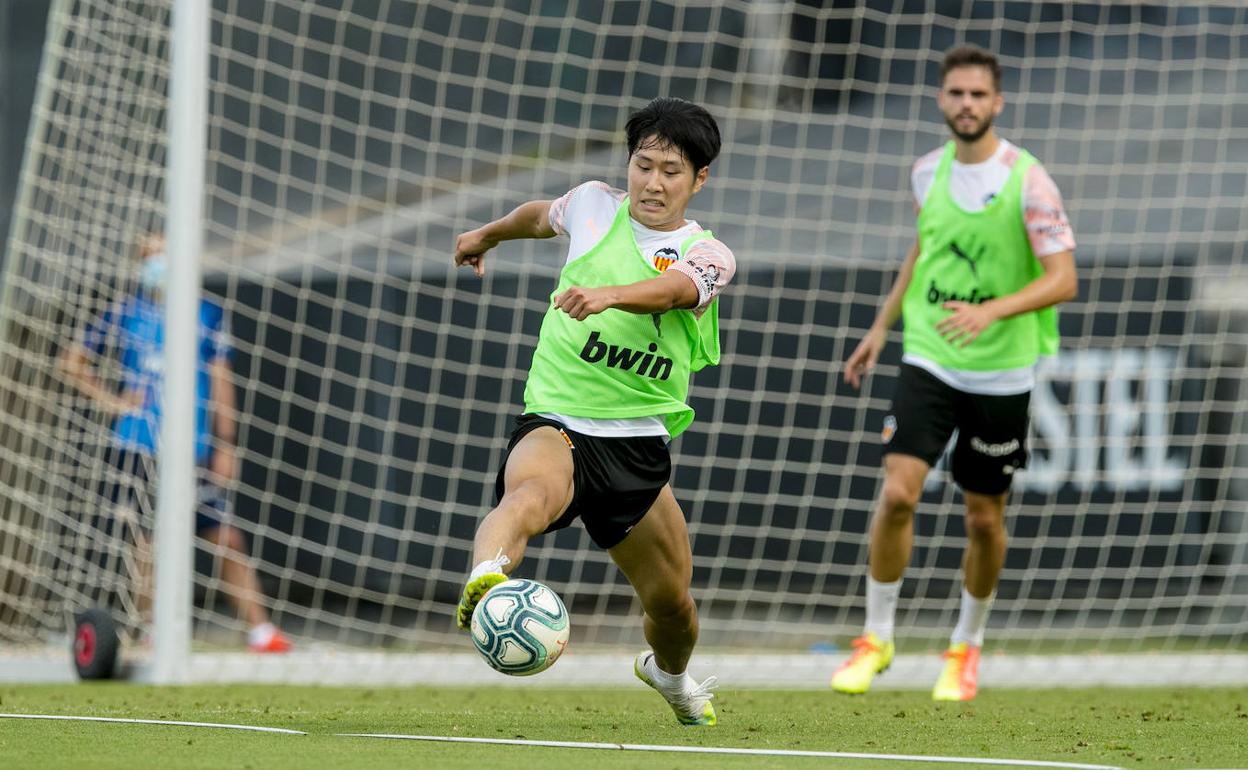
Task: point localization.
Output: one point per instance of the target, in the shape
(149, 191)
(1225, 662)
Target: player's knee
(533, 504)
(897, 503)
(984, 525)
(233, 539)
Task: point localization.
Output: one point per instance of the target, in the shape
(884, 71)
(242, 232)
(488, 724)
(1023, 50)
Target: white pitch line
(752, 752)
(252, 728)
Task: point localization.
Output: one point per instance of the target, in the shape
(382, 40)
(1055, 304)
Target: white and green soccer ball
(520, 627)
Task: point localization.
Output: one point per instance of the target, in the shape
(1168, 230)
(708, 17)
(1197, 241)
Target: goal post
(175, 512)
(344, 146)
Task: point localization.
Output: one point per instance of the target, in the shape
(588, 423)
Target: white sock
(496, 564)
(668, 681)
(261, 635)
(972, 619)
(881, 607)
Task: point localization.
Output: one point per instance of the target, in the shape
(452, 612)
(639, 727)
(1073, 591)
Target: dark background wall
(22, 27)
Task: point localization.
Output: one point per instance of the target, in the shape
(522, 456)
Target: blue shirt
(135, 329)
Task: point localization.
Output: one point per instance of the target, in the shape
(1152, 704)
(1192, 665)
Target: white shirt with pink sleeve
(584, 215)
(972, 186)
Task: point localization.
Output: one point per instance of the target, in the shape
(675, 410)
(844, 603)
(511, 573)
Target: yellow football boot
(871, 656)
(959, 679)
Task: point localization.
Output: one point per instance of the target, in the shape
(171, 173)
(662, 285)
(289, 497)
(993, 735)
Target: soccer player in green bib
(633, 316)
(977, 292)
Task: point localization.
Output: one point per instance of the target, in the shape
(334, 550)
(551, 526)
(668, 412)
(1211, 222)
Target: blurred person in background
(133, 331)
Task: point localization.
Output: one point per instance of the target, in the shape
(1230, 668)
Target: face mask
(155, 270)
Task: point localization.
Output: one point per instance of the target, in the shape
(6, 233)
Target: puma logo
(962, 255)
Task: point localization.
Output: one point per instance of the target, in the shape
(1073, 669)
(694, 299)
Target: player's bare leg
(242, 588)
(892, 537)
(136, 561)
(981, 566)
(892, 526)
(537, 489)
(657, 560)
(986, 543)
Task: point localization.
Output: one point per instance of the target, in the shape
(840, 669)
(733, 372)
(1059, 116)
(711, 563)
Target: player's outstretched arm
(224, 416)
(863, 359)
(669, 291)
(1057, 284)
(528, 220)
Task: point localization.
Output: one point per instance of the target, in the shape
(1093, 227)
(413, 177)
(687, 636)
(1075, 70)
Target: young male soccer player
(994, 255)
(633, 315)
(135, 326)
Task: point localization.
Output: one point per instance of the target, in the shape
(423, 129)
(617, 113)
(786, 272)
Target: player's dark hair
(971, 56)
(675, 123)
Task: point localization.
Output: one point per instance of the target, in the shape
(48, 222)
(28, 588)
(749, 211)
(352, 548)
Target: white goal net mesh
(350, 141)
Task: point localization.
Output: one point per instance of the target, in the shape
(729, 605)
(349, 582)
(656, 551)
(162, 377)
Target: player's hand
(470, 248)
(965, 322)
(581, 303)
(127, 402)
(862, 360)
(223, 467)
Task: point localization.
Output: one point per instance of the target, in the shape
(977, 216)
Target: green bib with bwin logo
(616, 364)
(975, 257)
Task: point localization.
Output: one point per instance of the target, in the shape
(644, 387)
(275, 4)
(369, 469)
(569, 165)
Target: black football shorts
(615, 480)
(992, 430)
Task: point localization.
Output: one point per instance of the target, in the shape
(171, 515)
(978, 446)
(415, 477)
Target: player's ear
(699, 177)
(998, 104)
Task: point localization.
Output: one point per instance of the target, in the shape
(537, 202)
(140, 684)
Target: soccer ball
(520, 627)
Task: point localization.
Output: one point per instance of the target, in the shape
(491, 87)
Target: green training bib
(616, 364)
(975, 257)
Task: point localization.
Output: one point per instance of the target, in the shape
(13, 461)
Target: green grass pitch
(1146, 728)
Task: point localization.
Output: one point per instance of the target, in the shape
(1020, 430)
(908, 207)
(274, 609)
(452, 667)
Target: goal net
(348, 143)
